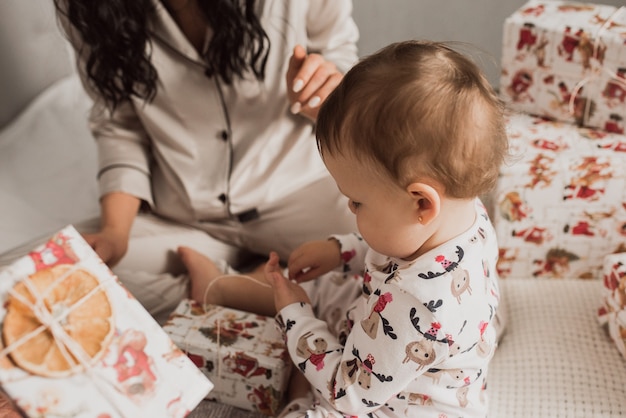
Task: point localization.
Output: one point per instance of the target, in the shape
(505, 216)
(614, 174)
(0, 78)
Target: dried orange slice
(88, 322)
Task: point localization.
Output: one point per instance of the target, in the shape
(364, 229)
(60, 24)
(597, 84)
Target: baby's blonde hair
(418, 110)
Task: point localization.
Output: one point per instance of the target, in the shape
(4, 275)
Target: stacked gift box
(560, 203)
(77, 343)
(567, 61)
(242, 353)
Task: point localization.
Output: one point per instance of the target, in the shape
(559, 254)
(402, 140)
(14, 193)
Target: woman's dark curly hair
(118, 37)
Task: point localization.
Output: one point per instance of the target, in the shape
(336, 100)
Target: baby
(398, 320)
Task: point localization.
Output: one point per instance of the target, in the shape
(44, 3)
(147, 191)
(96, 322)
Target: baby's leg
(299, 396)
(299, 386)
(250, 293)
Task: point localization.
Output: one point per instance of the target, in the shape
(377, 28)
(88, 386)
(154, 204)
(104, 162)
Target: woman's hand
(310, 79)
(109, 244)
(118, 213)
(314, 258)
(285, 291)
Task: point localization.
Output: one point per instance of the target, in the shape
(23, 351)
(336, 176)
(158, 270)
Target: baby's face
(385, 213)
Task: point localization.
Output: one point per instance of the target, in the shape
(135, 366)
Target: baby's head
(418, 110)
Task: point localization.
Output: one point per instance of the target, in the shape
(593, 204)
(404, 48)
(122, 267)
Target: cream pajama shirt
(227, 170)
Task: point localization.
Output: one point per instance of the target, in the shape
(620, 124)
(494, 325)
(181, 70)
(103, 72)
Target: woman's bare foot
(202, 272)
(250, 292)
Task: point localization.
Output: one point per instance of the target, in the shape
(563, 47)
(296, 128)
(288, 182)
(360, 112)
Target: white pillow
(48, 166)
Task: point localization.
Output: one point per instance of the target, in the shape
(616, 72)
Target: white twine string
(596, 69)
(218, 322)
(206, 291)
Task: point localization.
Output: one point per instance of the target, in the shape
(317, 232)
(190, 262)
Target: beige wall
(33, 54)
(478, 22)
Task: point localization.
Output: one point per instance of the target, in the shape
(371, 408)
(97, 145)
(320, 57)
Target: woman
(203, 117)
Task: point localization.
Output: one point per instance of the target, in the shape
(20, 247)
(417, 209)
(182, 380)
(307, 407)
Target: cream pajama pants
(153, 273)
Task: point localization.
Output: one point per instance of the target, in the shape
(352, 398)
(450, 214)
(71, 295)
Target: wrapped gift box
(560, 202)
(243, 354)
(612, 312)
(567, 61)
(77, 343)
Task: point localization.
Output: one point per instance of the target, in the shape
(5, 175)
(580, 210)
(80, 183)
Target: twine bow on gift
(218, 324)
(52, 320)
(596, 69)
(186, 345)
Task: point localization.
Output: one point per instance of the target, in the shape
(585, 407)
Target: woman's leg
(209, 284)
(310, 213)
(152, 270)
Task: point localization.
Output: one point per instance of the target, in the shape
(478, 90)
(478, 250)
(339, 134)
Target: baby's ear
(426, 200)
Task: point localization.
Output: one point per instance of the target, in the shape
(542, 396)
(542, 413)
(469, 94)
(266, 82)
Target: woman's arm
(315, 69)
(118, 213)
(123, 156)
(332, 32)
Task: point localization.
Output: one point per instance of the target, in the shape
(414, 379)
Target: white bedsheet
(47, 166)
(555, 360)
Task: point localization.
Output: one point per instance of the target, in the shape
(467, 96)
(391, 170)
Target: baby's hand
(285, 291)
(314, 258)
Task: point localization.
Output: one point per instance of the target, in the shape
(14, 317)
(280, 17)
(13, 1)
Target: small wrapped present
(76, 343)
(243, 354)
(560, 203)
(612, 311)
(567, 61)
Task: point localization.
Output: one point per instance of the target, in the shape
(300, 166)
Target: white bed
(554, 360)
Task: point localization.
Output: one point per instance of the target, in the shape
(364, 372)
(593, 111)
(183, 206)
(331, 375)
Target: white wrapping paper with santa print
(243, 354)
(567, 61)
(139, 371)
(612, 311)
(560, 202)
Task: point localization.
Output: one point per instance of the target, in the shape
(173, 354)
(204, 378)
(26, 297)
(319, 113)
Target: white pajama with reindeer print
(400, 338)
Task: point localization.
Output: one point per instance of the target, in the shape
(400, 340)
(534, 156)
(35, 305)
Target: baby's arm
(285, 292)
(315, 258)
(384, 350)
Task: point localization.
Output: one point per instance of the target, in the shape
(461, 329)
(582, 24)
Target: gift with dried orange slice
(83, 315)
(75, 342)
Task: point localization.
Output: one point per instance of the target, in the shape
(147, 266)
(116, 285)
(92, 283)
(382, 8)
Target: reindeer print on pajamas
(421, 332)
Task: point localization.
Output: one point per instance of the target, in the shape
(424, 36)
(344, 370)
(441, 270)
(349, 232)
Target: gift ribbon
(51, 322)
(596, 69)
(218, 323)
